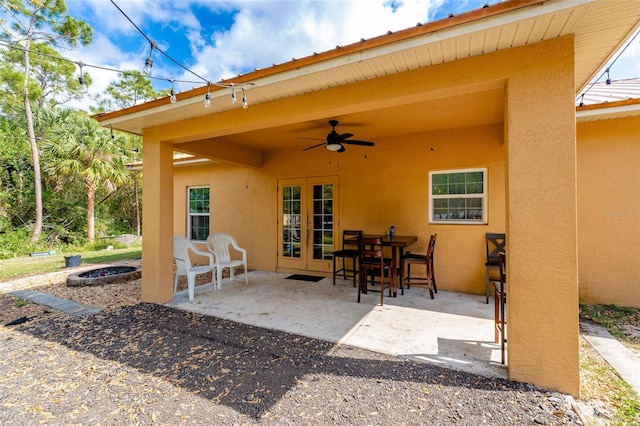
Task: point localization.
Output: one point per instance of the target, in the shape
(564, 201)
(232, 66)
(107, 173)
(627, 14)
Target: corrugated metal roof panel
(618, 90)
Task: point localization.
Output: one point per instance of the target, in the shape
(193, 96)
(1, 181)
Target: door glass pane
(322, 221)
(291, 207)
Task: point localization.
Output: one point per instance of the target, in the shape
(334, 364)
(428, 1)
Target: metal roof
(602, 101)
(617, 90)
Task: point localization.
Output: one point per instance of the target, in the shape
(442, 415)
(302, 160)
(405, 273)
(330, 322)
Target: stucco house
(487, 96)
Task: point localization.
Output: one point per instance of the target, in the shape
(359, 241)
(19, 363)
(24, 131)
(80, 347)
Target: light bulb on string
(148, 63)
(245, 104)
(207, 97)
(173, 98)
(81, 80)
(233, 94)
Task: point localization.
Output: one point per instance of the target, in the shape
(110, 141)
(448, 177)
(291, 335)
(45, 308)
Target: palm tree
(79, 146)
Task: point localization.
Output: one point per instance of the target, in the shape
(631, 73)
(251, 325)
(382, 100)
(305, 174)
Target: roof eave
(607, 110)
(339, 51)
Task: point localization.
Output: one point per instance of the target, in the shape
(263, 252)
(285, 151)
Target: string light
(608, 81)
(173, 98)
(148, 63)
(207, 97)
(146, 70)
(81, 79)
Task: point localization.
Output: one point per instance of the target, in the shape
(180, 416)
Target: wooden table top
(396, 240)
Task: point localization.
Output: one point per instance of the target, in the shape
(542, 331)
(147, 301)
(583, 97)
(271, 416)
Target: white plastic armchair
(219, 244)
(185, 267)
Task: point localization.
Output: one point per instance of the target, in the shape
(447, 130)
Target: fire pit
(101, 276)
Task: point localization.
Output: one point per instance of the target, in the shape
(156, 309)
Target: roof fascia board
(215, 107)
(605, 111)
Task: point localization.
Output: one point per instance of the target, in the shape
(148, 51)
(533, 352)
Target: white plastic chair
(219, 244)
(184, 265)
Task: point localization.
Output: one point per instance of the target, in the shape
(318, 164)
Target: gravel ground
(149, 364)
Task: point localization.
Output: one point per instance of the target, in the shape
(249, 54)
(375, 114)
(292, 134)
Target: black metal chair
(495, 244)
(429, 280)
(349, 251)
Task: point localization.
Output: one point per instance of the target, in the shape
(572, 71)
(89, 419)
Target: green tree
(33, 30)
(130, 89)
(78, 146)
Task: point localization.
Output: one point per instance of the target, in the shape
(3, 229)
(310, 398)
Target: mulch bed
(150, 364)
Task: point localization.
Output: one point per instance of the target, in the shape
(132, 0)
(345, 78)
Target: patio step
(68, 306)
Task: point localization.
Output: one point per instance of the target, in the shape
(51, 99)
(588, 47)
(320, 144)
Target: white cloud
(269, 32)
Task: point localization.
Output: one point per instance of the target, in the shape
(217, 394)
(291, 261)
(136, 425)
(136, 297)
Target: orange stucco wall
(244, 201)
(531, 160)
(542, 217)
(157, 262)
(609, 211)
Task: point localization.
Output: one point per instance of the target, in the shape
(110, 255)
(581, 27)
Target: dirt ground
(148, 364)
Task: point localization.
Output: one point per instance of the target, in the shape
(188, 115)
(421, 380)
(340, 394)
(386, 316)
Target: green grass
(25, 266)
(20, 302)
(617, 321)
(600, 381)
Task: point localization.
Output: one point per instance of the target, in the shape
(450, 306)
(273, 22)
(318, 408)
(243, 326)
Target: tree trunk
(35, 152)
(91, 206)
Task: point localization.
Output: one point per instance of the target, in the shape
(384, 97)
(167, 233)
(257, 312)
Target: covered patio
(492, 90)
(455, 330)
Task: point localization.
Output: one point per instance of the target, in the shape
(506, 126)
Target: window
(458, 196)
(198, 213)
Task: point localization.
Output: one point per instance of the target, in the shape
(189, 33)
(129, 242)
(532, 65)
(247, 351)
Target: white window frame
(435, 219)
(191, 214)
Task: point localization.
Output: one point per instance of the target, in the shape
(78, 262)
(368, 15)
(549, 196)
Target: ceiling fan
(336, 141)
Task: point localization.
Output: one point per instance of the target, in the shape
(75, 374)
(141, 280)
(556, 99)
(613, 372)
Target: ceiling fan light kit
(336, 141)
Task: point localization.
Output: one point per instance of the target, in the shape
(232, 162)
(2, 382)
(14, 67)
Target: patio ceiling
(600, 29)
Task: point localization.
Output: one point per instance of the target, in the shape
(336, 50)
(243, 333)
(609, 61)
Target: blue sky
(220, 39)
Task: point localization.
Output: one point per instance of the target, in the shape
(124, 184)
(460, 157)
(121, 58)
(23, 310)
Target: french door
(307, 209)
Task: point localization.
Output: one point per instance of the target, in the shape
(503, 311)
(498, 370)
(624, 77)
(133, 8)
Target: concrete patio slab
(454, 330)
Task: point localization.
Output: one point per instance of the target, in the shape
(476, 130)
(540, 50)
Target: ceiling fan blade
(345, 136)
(356, 142)
(334, 141)
(315, 146)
